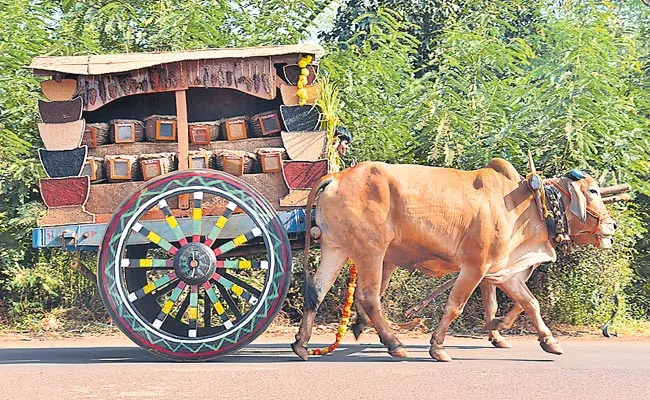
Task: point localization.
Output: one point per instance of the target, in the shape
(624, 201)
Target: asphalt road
(113, 368)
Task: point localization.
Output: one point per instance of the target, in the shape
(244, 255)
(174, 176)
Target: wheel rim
(188, 291)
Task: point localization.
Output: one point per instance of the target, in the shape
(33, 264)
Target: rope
(611, 319)
(345, 315)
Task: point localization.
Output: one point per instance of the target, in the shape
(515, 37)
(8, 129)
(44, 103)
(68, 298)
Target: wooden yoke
(183, 142)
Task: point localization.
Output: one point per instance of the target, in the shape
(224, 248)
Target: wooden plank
(249, 145)
(181, 125)
(90, 235)
(614, 190)
(65, 216)
(114, 63)
(183, 141)
(104, 198)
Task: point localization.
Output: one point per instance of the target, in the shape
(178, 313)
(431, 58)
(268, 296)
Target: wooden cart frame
(196, 263)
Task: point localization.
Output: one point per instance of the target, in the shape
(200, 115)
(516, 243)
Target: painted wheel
(200, 286)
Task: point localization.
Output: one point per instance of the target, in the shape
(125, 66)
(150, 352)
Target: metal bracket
(68, 237)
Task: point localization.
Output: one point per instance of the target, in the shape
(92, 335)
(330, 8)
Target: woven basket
(153, 165)
(225, 158)
(270, 159)
(204, 132)
(122, 136)
(120, 166)
(160, 128)
(300, 118)
(201, 159)
(95, 135)
(235, 128)
(266, 123)
(58, 112)
(59, 91)
(64, 136)
(94, 169)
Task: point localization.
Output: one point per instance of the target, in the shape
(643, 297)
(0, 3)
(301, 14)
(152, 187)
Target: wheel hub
(195, 263)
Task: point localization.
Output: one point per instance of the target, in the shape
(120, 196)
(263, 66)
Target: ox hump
(504, 168)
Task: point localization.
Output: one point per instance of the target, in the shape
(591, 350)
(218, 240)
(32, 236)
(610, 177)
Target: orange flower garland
(345, 316)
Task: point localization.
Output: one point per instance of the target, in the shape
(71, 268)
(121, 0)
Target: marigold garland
(302, 79)
(345, 315)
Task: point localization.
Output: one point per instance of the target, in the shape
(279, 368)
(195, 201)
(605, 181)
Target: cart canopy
(115, 63)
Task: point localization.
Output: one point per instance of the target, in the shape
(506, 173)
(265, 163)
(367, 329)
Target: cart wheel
(185, 297)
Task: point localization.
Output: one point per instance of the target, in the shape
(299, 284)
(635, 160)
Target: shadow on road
(254, 353)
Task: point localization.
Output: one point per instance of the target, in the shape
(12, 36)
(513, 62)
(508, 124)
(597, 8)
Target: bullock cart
(188, 173)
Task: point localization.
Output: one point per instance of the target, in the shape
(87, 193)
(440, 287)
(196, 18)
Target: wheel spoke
(207, 311)
(155, 238)
(220, 224)
(169, 304)
(250, 288)
(238, 241)
(235, 288)
(242, 264)
(218, 307)
(197, 216)
(193, 310)
(150, 263)
(231, 303)
(151, 286)
(171, 221)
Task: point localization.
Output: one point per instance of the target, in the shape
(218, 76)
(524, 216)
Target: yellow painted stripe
(237, 290)
(171, 221)
(167, 307)
(239, 240)
(146, 262)
(149, 288)
(193, 312)
(197, 214)
(221, 222)
(245, 264)
(154, 237)
(219, 308)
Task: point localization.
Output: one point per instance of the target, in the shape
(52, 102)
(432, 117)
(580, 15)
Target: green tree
(377, 87)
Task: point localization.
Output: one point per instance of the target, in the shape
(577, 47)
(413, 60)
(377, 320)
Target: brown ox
(484, 224)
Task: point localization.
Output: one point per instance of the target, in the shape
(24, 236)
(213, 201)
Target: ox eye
(594, 191)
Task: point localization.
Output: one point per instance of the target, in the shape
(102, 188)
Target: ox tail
(309, 291)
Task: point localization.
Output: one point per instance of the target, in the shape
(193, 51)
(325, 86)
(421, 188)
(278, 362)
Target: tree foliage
(376, 82)
(567, 80)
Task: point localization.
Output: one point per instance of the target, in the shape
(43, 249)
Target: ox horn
(531, 163)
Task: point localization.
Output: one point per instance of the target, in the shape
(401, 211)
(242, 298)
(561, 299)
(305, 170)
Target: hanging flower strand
(302, 79)
(345, 317)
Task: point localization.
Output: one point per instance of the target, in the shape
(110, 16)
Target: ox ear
(578, 201)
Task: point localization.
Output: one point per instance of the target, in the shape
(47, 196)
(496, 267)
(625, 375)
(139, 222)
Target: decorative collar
(556, 219)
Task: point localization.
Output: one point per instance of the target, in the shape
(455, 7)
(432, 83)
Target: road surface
(113, 368)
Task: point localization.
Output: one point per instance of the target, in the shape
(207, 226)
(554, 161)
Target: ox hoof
(300, 350)
(439, 355)
(500, 343)
(399, 352)
(551, 346)
(357, 330)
